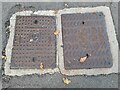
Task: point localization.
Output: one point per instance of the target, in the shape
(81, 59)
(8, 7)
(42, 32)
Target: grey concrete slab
(55, 80)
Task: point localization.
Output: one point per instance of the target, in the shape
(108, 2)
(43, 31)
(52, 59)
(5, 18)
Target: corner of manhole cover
(88, 41)
(85, 34)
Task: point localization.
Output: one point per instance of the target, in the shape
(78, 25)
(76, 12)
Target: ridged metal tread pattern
(34, 42)
(85, 33)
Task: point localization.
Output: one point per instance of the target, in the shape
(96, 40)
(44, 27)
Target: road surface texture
(55, 80)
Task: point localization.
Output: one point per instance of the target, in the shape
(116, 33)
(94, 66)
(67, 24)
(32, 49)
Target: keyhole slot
(33, 59)
(83, 22)
(36, 21)
(87, 55)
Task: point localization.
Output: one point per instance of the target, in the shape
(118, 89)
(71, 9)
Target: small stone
(83, 59)
(66, 5)
(31, 40)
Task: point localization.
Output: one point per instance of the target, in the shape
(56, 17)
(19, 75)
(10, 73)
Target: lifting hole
(36, 21)
(87, 55)
(109, 63)
(33, 59)
(83, 22)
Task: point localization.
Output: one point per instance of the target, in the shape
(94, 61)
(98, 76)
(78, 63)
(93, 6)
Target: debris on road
(66, 81)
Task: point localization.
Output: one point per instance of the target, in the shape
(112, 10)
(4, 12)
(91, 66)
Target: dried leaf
(56, 11)
(66, 81)
(56, 32)
(41, 66)
(3, 51)
(4, 57)
(83, 59)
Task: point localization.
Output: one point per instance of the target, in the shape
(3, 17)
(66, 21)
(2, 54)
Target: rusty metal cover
(34, 42)
(84, 34)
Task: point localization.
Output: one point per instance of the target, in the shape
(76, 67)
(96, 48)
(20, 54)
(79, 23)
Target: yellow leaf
(83, 59)
(56, 32)
(4, 57)
(66, 81)
(41, 66)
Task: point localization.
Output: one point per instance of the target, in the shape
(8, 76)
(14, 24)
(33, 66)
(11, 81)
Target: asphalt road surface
(55, 80)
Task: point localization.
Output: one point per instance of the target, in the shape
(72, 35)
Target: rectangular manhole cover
(84, 34)
(34, 42)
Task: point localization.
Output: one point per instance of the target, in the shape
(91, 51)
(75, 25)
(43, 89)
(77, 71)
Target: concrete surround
(60, 60)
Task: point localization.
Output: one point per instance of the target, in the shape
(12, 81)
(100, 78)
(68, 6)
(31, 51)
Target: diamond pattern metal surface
(34, 42)
(85, 34)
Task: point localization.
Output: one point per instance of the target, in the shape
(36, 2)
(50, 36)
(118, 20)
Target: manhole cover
(84, 35)
(34, 42)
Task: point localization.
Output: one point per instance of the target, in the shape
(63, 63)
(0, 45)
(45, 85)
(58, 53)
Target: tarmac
(55, 80)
